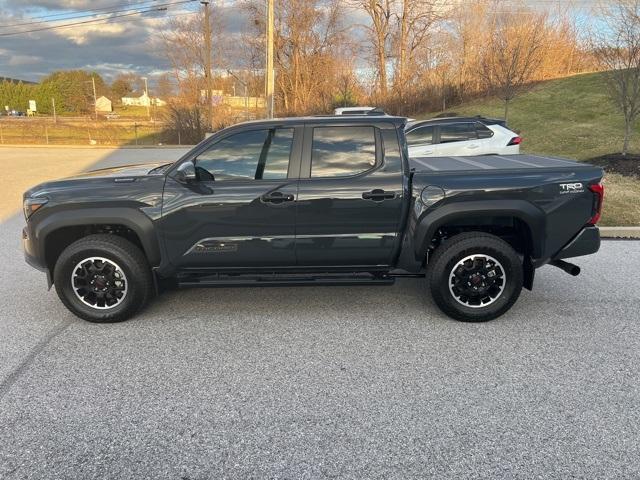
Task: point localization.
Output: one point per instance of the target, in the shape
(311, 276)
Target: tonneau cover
(490, 162)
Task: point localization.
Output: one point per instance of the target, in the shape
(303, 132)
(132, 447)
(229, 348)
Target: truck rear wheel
(475, 277)
(103, 278)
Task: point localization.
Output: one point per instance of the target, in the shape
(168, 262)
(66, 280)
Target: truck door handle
(276, 197)
(378, 195)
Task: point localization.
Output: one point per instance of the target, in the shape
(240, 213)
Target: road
(24, 167)
(331, 382)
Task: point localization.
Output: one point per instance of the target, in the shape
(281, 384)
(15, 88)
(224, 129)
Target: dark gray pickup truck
(318, 200)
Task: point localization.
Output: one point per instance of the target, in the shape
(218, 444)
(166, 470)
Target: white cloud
(82, 33)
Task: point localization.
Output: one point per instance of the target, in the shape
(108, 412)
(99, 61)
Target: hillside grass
(571, 117)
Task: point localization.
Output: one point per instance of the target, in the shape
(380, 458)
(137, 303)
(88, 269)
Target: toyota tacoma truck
(318, 200)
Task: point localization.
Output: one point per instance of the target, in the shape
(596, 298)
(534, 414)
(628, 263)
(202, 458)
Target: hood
(94, 178)
(138, 170)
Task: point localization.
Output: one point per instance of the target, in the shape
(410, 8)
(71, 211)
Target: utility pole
(207, 62)
(246, 92)
(246, 102)
(146, 92)
(55, 117)
(95, 98)
(269, 72)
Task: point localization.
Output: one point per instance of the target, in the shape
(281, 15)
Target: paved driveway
(24, 167)
(350, 382)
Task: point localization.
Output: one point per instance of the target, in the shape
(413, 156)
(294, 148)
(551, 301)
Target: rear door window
(420, 136)
(457, 132)
(342, 151)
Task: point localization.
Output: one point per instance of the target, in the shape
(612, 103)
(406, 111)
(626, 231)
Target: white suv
(353, 110)
(460, 136)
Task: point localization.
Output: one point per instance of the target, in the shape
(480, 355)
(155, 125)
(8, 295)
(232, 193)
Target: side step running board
(230, 280)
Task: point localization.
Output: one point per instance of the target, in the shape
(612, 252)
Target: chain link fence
(83, 131)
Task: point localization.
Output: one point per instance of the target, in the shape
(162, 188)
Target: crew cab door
(350, 195)
(240, 209)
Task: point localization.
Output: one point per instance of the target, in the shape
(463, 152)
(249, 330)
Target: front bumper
(31, 257)
(585, 243)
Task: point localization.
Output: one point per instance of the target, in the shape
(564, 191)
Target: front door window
(250, 155)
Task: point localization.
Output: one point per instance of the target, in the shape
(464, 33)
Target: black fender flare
(131, 218)
(431, 221)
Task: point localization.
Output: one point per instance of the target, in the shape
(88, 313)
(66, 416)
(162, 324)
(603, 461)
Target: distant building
(103, 104)
(143, 101)
(218, 97)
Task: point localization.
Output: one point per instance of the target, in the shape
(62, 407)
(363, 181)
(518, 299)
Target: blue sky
(128, 44)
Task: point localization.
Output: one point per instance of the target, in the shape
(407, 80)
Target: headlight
(31, 205)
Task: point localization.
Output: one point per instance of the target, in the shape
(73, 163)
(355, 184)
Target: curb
(620, 232)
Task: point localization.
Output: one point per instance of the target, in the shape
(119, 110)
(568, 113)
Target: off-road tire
(122, 252)
(459, 247)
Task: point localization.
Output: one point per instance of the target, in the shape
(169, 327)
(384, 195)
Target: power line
(159, 8)
(75, 15)
(67, 25)
(76, 12)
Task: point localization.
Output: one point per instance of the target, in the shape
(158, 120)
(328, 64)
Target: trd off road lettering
(571, 188)
(317, 200)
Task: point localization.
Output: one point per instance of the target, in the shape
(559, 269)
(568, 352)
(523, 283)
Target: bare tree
(512, 56)
(309, 44)
(183, 42)
(380, 29)
(415, 18)
(469, 31)
(348, 89)
(617, 47)
(164, 88)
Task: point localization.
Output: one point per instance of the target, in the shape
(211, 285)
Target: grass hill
(572, 117)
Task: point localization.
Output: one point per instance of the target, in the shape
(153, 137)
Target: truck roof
(491, 162)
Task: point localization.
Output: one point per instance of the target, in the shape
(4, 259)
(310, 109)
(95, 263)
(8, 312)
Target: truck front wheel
(103, 278)
(475, 277)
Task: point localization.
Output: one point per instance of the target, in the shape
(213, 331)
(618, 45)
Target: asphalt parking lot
(332, 382)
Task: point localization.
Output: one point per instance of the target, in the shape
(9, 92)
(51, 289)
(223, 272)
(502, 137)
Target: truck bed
(490, 162)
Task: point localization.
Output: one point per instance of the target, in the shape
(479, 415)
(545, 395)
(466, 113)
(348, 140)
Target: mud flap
(528, 273)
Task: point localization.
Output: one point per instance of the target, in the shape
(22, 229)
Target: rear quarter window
(483, 131)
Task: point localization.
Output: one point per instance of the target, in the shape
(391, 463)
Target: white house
(143, 101)
(103, 104)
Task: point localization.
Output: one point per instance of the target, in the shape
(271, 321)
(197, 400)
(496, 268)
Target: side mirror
(186, 173)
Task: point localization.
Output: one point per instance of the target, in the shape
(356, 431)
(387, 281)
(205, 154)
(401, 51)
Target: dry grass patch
(621, 201)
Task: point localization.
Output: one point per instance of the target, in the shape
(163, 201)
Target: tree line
(407, 56)
(72, 91)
